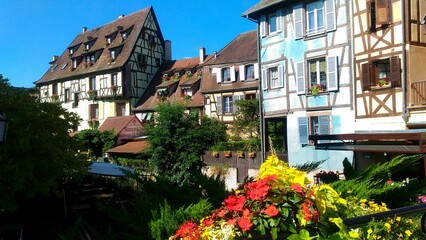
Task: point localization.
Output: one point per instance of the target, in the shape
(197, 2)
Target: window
(226, 74)
(76, 100)
(87, 46)
(271, 24)
(315, 17)
(94, 111)
(64, 66)
(74, 63)
(320, 17)
(379, 14)
(381, 73)
(67, 95)
(55, 89)
(124, 35)
(92, 83)
(120, 109)
(317, 72)
(276, 132)
(112, 54)
(314, 125)
(109, 40)
(250, 96)
(90, 58)
(187, 91)
(114, 79)
(249, 72)
(227, 104)
(273, 77)
(320, 72)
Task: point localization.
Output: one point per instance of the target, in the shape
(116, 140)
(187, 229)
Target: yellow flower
(398, 219)
(408, 232)
(353, 234)
(388, 227)
(370, 231)
(349, 191)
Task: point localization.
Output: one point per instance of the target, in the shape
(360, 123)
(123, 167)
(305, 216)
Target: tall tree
(247, 117)
(97, 142)
(38, 151)
(178, 139)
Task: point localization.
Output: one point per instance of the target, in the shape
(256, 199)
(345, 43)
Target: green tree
(97, 142)
(178, 139)
(247, 117)
(38, 151)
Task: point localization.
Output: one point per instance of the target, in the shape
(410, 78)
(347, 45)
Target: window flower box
(215, 154)
(92, 94)
(240, 154)
(316, 89)
(227, 154)
(252, 154)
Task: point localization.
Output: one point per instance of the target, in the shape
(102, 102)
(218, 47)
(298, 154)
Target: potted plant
(252, 154)
(383, 81)
(327, 177)
(240, 154)
(114, 89)
(227, 153)
(316, 89)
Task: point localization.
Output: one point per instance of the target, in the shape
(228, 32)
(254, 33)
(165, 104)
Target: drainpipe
(405, 113)
(262, 119)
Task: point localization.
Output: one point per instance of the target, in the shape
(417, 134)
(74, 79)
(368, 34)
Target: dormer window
(112, 54)
(124, 35)
(249, 72)
(109, 40)
(226, 74)
(90, 58)
(64, 66)
(71, 51)
(162, 92)
(87, 46)
(74, 63)
(187, 91)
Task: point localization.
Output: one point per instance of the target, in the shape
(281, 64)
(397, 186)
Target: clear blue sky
(35, 30)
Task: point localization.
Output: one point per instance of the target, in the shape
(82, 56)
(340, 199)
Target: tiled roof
(133, 147)
(253, 11)
(132, 22)
(117, 123)
(242, 50)
(150, 99)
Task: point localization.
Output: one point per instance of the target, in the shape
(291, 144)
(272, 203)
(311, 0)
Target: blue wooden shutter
(280, 76)
(324, 125)
(279, 20)
(303, 130)
(330, 15)
(262, 26)
(332, 74)
(264, 79)
(298, 21)
(300, 78)
(219, 108)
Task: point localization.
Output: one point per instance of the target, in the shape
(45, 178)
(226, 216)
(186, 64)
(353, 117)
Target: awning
(108, 169)
(133, 147)
(408, 141)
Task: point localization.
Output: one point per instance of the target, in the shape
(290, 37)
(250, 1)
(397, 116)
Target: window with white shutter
(298, 21)
(300, 78)
(332, 74)
(264, 79)
(262, 26)
(303, 130)
(232, 74)
(219, 109)
(281, 76)
(330, 15)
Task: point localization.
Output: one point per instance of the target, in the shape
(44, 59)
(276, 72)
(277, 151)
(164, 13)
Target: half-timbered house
(306, 75)
(105, 71)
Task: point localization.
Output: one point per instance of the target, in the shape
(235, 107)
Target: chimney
(84, 29)
(121, 16)
(54, 58)
(168, 50)
(202, 55)
(215, 54)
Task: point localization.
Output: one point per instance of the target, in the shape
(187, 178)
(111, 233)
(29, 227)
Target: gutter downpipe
(405, 113)
(262, 120)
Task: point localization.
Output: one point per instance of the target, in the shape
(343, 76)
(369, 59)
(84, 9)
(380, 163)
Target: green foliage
(38, 152)
(247, 120)
(166, 221)
(97, 142)
(373, 183)
(348, 169)
(177, 141)
(309, 166)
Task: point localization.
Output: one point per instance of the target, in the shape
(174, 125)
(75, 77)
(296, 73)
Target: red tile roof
(241, 50)
(150, 99)
(133, 22)
(117, 123)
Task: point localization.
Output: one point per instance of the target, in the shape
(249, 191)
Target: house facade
(176, 81)
(105, 71)
(231, 74)
(306, 76)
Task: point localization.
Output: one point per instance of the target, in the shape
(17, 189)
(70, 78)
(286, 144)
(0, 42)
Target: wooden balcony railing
(418, 93)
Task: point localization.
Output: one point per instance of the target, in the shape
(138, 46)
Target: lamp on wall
(3, 126)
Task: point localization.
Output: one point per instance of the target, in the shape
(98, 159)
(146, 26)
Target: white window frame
(228, 106)
(268, 82)
(265, 23)
(318, 8)
(317, 79)
(226, 77)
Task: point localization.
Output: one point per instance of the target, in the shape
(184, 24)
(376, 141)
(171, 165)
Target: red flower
(271, 211)
(235, 203)
(246, 213)
(257, 190)
(297, 187)
(188, 231)
(232, 221)
(245, 224)
(208, 222)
